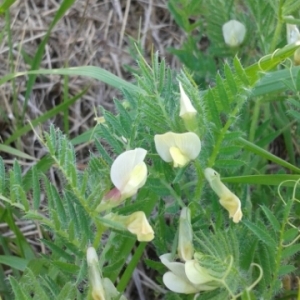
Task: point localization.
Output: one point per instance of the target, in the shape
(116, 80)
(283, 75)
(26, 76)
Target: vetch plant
(211, 256)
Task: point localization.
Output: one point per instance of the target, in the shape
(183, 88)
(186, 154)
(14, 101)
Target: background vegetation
(58, 59)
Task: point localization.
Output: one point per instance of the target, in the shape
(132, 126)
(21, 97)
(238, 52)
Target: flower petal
(137, 179)
(163, 143)
(178, 284)
(216, 184)
(195, 273)
(186, 107)
(138, 224)
(233, 205)
(178, 158)
(227, 198)
(124, 164)
(175, 267)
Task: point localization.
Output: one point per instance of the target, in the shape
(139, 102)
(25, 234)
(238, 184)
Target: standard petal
(188, 143)
(186, 107)
(178, 284)
(124, 165)
(163, 142)
(195, 273)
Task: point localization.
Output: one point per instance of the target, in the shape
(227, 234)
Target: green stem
(278, 27)
(221, 136)
(279, 252)
(199, 184)
(254, 121)
(173, 193)
(66, 99)
(127, 275)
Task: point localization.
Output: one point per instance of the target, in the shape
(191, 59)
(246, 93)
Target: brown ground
(92, 33)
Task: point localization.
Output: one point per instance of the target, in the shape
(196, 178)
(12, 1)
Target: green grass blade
(64, 6)
(14, 262)
(267, 155)
(87, 71)
(275, 81)
(285, 179)
(47, 115)
(15, 152)
(6, 5)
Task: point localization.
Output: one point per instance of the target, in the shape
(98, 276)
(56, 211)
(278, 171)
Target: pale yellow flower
(179, 148)
(128, 173)
(188, 278)
(227, 199)
(233, 33)
(136, 223)
(185, 236)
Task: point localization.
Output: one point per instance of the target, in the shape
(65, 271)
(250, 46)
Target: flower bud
(94, 273)
(136, 223)
(185, 237)
(227, 199)
(233, 33)
(187, 110)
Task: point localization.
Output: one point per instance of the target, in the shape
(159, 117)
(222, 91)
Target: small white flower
(187, 110)
(184, 278)
(227, 199)
(179, 148)
(233, 33)
(128, 173)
